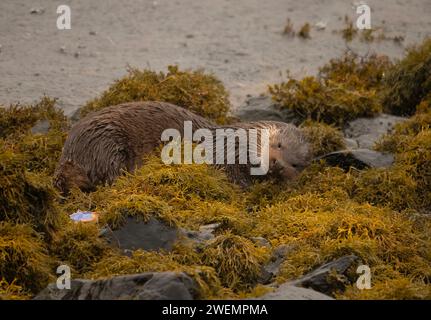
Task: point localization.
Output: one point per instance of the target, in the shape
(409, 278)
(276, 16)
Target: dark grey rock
(366, 131)
(37, 10)
(264, 108)
(359, 159)
(351, 143)
(329, 277)
(42, 126)
(144, 286)
(270, 270)
(290, 292)
(151, 235)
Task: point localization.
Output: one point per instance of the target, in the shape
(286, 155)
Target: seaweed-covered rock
(409, 81)
(25, 197)
(323, 138)
(237, 260)
(201, 93)
(24, 259)
(79, 245)
(332, 103)
(357, 71)
(345, 89)
(144, 286)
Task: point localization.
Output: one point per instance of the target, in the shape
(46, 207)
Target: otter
(289, 152)
(106, 142)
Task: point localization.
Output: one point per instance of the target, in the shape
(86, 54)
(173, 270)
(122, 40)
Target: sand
(240, 41)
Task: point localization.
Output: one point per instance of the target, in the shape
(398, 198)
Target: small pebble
(63, 49)
(92, 33)
(76, 54)
(320, 25)
(37, 10)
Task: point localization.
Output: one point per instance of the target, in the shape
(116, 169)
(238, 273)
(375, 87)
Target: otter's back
(115, 138)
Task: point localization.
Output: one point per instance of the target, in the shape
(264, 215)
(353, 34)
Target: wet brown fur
(116, 138)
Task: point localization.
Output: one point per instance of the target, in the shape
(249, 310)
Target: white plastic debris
(84, 216)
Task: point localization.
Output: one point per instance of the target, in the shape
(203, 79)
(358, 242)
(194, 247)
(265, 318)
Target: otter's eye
(279, 145)
(295, 166)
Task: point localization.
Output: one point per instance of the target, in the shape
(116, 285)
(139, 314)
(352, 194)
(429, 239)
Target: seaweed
(345, 89)
(26, 197)
(201, 93)
(19, 119)
(323, 138)
(24, 259)
(377, 214)
(79, 245)
(408, 82)
(400, 288)
(40, 151)
(186, 196)
(359, 72)
(323, 227)
(349, 32)
(11, 291)
(330, 102)
(288, 29)
(150, 261)
(237, 260)
(411, 143)
(304, 32)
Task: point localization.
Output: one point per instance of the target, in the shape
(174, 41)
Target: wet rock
(359, 159)
(42, 126)
(150, 235)
(290, 292)
(204, 234)
(37, 10)
(261, 242)
(143, 286)
(351, 143)
(366, 131)
(270, 270)
(264, 108)
(330, 277)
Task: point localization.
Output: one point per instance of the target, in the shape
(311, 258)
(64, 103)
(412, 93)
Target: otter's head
(69, 175)
(289, 151)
